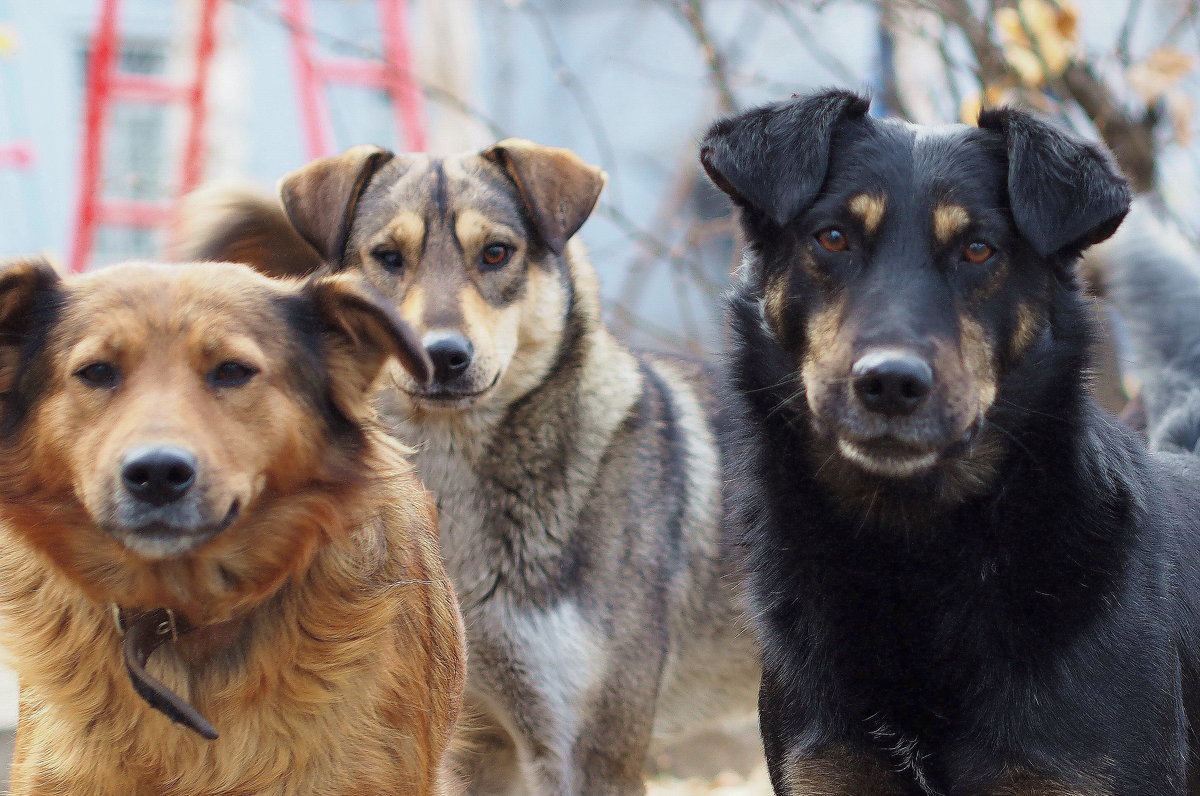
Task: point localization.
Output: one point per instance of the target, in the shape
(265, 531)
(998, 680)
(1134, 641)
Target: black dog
(968, 579)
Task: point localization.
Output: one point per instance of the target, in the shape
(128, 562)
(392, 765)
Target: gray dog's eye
(390, 259)
(495, 255)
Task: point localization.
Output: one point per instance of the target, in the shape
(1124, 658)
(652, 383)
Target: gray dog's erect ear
(774, 158)
(1064, 193)
(321, 198)
(558, 188)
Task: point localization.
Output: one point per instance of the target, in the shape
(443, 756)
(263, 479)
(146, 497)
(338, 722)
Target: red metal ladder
(393, 74)
(106, 86)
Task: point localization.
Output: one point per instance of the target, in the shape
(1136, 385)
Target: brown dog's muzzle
(158, 475)
(157, 505)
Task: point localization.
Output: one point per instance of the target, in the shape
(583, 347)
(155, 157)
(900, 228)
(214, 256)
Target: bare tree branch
(693, 13)
(1126, 35)
(1131, 140)
(578, 91)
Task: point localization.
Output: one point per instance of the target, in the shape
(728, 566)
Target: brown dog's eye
(390, 259)
(99, 374)
(833, 239)
(977, 252)
(496, 254)
(230, 374)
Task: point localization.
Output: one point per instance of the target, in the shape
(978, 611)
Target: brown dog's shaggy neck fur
(320, 659)
(328, 650)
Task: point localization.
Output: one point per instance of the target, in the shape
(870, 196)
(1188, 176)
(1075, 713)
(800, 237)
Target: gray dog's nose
(158, 474)
(892, 382)
(450, 354)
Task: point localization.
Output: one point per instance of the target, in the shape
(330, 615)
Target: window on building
(135, 156)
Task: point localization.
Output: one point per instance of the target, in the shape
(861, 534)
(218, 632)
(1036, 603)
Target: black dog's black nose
(158, 474)
(450, 354)
(892, 382)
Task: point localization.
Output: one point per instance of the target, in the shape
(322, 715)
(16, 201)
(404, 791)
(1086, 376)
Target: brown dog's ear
(558, 188)
(361, 331)
(21, 283)
(322, 197)
(25, 285)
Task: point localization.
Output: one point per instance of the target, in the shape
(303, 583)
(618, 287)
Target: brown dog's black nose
(451, 355)
(892, 382)
(158, 474)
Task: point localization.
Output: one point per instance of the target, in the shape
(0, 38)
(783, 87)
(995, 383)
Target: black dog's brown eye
(977, 252)
(390, 259)
(496, 254)
(99, 374)
(833, 239)
(230, 374)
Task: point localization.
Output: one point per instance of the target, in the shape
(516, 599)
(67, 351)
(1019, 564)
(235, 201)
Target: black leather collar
(143, 633)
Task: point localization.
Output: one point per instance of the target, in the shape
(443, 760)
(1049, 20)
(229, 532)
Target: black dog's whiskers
(789, 378)
(1030, 411)
(787, 402)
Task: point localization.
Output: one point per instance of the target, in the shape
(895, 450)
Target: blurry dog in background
(579, 484)
(189, 463)
(967, 578)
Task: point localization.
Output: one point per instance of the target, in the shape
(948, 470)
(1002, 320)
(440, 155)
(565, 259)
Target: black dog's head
(904, 270)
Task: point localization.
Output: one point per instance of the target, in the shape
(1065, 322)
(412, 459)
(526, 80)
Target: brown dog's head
(470, 250)
(186, 436)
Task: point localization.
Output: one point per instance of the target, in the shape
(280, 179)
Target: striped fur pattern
(579, 483)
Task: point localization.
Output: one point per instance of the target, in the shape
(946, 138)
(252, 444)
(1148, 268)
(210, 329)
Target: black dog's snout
(451, 355)
(892, 382)
(158, 474)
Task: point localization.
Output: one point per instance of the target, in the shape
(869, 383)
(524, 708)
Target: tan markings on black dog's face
(949, 220)
(870, 209)
(457, 244)
(902, 305)
(171, 412)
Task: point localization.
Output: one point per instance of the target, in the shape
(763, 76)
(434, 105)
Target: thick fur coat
(580, 484)
(967, 578)
(326, 647)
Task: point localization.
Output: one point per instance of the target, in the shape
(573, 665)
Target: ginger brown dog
(195, 444)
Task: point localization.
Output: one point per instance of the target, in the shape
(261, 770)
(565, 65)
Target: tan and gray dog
(579, 483)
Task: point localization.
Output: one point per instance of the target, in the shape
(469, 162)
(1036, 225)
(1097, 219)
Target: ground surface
(711, 764)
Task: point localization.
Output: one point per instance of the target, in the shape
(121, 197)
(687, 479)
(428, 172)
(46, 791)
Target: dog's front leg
(832, 772)
(1035, 785)
(577, 703)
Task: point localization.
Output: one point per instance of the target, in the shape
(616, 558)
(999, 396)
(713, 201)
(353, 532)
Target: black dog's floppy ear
(321, 197)
(1065, 193)
(558, 188)
(774, 158)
